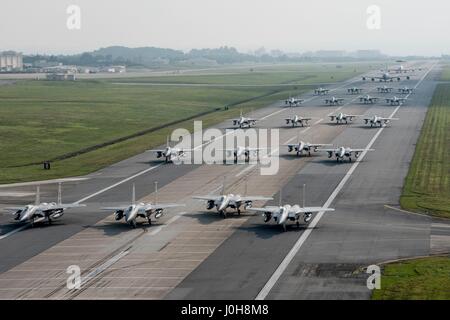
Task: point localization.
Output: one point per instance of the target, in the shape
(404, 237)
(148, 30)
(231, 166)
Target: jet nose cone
(223, 205)
(25, 215)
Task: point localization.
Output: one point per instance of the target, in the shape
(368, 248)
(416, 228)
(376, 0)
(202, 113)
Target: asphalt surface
(328, 264)
(361, 232)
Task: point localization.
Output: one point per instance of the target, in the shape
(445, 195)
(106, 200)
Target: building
(11, 61)
(114, 69)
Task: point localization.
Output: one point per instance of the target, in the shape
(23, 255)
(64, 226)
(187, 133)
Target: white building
(11, 61)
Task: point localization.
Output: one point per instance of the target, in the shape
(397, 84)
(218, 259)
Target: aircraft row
(130, 212)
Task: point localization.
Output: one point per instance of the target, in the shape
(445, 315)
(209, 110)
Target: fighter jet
(281, 214)
(376, 120)
(38, 211)
(384, 89)
(395, 101)
(386, 77)
(293, 101)
(301, 146)
(333, 101)
(368, 99)
(405, 90)
(235, 201)
(242, 151)
(321, 91)
(130, 212)
(341, 117)
(341, 152)
(354, 90)
(169, 153)
(295, 119)
(243, 122)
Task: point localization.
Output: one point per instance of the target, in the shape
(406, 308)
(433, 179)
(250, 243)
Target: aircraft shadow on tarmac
(293, 156)
(208, 217)
(152, 162)
(332, 162)
(10, 226)
(369, 127)
(268, 230)
(334, 124)
(113, 228)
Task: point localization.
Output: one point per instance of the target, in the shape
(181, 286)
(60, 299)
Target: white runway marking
(168, 222)
(298, 244)
(103, 267)
(118, 183)
(6, 235)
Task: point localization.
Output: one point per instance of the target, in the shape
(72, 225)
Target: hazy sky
(407, 26)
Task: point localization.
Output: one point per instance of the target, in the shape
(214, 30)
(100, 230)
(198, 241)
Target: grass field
(42, 120)
(427, 186)
(446, 73)
(309, 74)
(419, 279)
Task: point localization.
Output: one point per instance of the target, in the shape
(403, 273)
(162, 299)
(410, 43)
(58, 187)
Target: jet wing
(256, 149)
(359, 150)
(256, 198)
(296, 210)
(271, 209)
(122, 208)
(162, 205)
(316, 145)
(68, 205)
(386, 119)
(207, 198)
(327, 150)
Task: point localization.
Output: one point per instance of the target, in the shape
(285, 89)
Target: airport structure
(11, 61)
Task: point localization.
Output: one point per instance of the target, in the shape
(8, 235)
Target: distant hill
(153, 57)
(144, 55)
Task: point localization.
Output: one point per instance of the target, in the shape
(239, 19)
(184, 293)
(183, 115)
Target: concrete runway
(195, 254)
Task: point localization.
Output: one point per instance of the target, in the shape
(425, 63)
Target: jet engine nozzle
(210, 205)
(118, 215)
(158, 213)
(308, 217)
